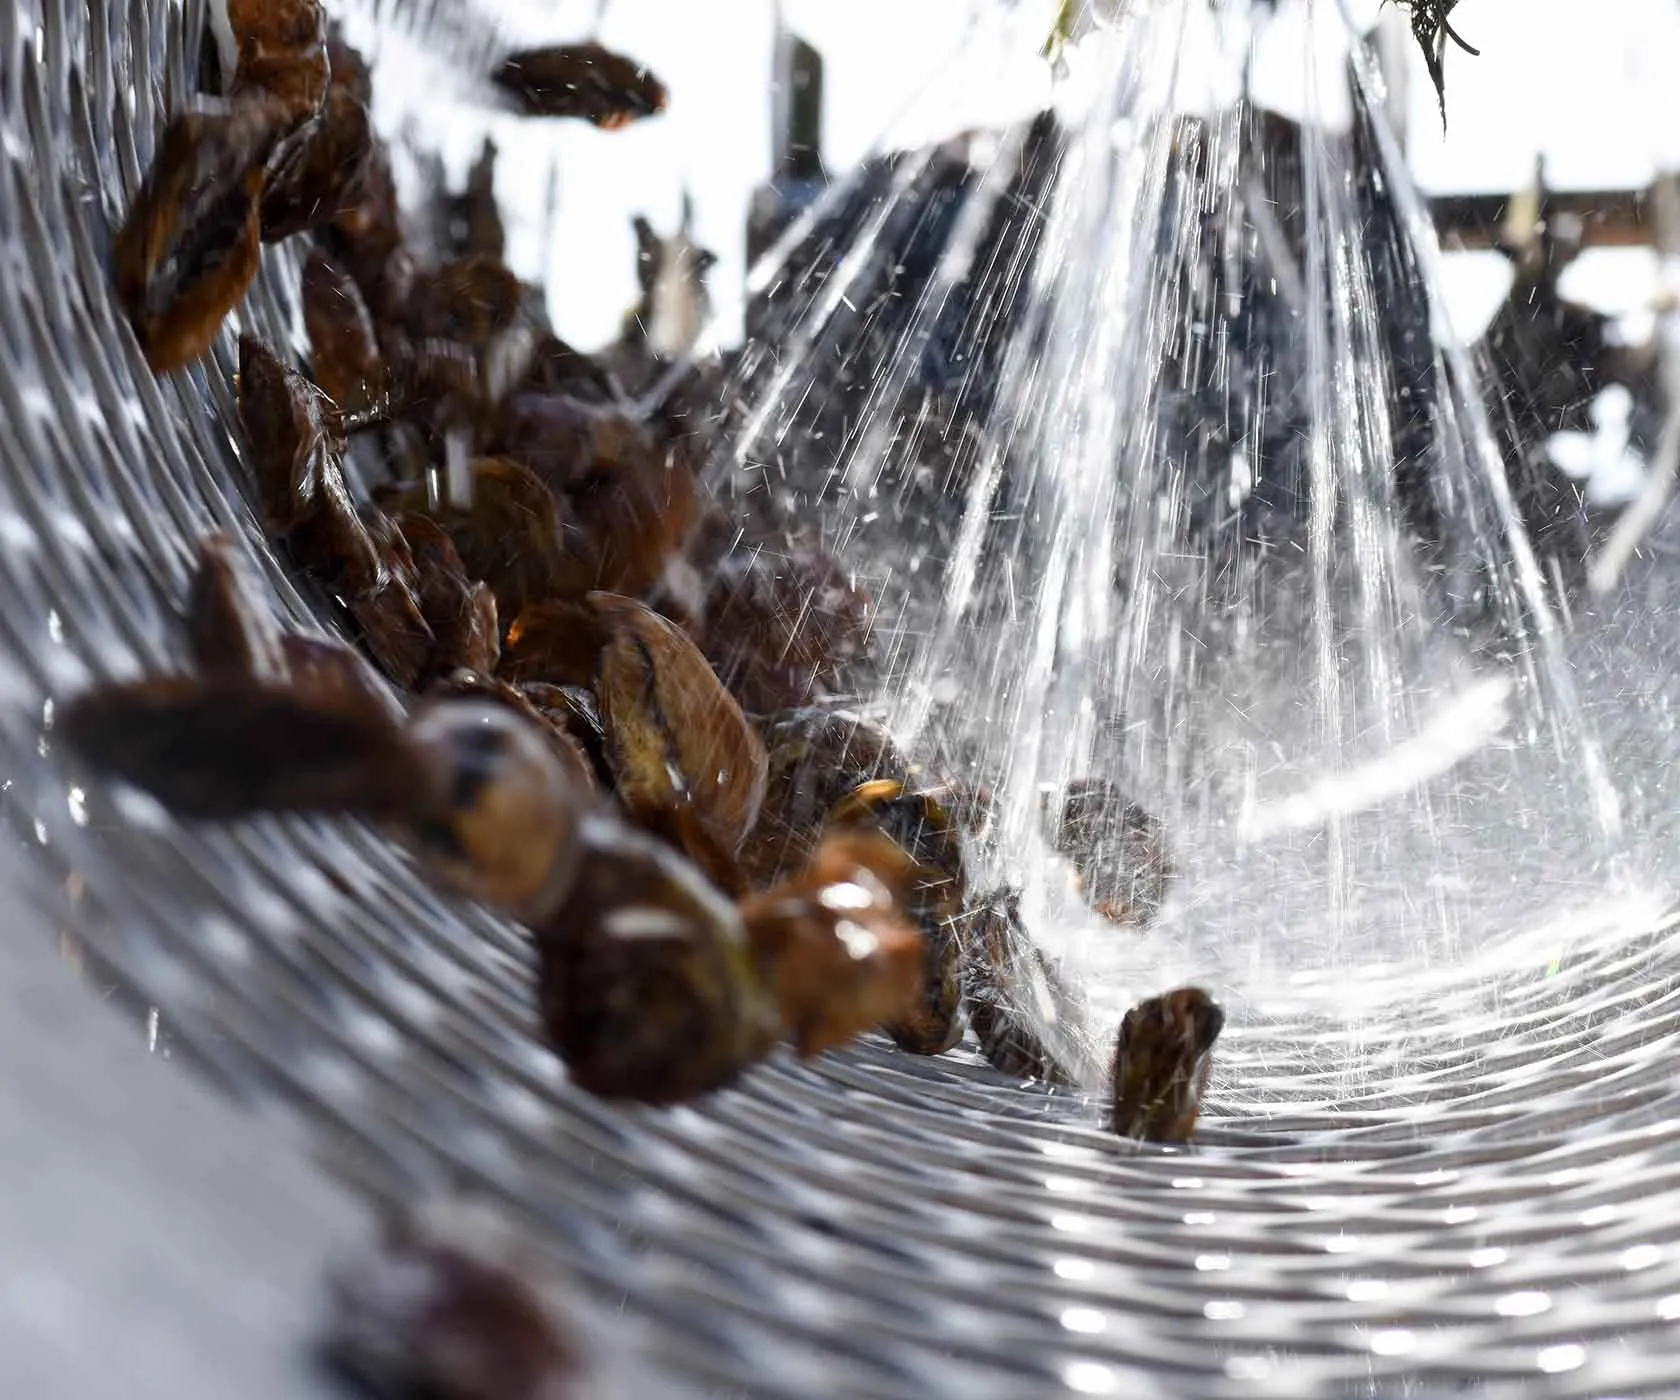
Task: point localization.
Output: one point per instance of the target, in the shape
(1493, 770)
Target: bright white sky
(1590, 83)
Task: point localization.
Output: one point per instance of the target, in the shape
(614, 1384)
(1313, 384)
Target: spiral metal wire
(1471, 1186)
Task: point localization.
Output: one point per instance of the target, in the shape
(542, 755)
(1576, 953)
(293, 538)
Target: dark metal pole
(796, 171)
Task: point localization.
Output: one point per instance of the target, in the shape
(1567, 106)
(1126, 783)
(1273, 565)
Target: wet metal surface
(1477, 1181)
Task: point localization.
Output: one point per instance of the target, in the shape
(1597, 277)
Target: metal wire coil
(1475, 1185)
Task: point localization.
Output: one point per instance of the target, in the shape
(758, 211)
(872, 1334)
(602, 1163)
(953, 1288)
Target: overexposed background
(1592, 87)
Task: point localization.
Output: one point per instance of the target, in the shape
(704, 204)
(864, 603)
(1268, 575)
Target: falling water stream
(1165, 468)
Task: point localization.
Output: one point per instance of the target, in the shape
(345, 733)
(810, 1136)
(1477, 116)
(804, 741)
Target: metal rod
(1607, 218)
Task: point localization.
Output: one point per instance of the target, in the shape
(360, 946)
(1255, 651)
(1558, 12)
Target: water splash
(1167, 471)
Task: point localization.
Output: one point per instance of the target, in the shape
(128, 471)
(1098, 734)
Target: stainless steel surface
(1468, 1180)
(158, 1240)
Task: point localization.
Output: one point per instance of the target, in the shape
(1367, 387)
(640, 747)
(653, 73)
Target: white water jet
(1144, 428)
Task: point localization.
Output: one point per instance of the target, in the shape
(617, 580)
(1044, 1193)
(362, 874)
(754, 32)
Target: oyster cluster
(580, 691)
